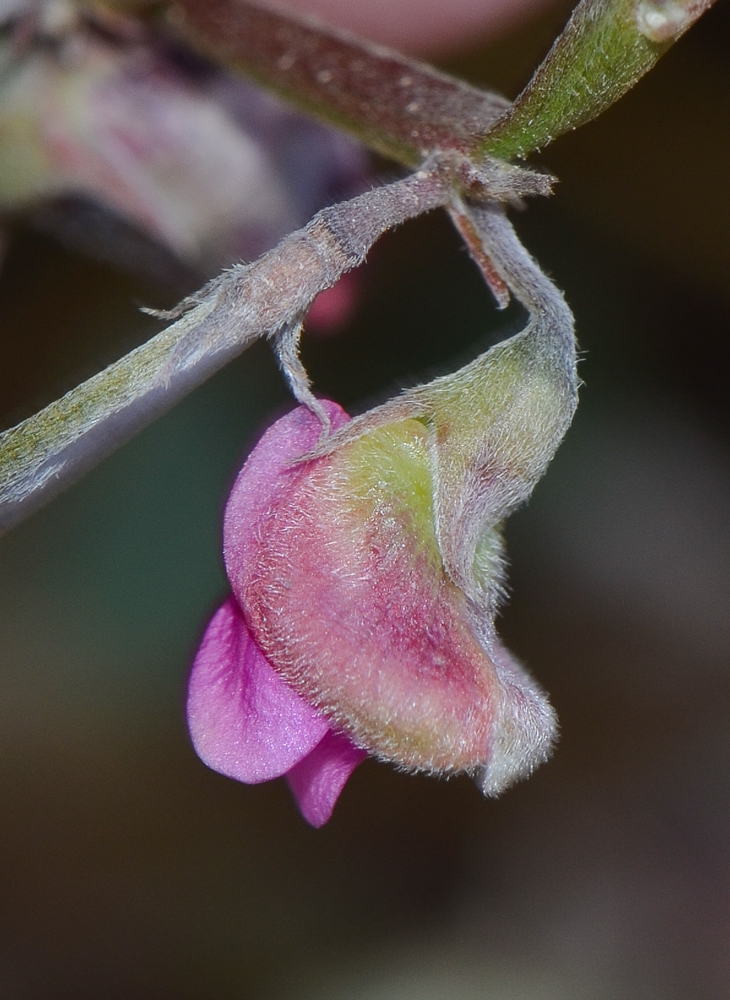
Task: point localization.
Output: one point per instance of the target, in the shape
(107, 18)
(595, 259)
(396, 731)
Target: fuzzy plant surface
(463, 142)
(365, 556)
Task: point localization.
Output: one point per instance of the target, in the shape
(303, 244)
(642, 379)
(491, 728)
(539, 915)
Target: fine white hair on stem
(45, 453)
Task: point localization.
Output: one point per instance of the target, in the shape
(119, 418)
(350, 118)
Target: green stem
(407, 110)
(45, 453)
(606, 47)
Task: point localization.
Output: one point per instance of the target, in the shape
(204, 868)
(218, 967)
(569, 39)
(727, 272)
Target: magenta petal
(244, 720)
(318, 780)
(267, 473)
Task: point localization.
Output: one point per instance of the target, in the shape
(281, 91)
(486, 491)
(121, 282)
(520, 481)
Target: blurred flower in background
(128, 147)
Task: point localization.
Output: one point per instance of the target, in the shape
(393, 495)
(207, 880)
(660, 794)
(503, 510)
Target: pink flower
(245, 721)
(367, 571)
(248, 724)
(346, 635)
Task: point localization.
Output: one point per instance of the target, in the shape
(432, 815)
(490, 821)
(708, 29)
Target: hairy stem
(606, 47)
(48, 451)
(405, 109)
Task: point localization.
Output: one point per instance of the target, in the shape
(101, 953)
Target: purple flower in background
(128, 147)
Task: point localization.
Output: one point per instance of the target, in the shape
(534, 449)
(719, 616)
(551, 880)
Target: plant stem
(398, 107)
(45, 453)
(407, 110)
(606, 47)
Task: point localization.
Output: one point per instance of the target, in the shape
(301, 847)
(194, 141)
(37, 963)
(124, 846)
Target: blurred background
(129, 870)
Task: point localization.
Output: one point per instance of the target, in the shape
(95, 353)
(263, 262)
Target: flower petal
(318, 780)
(267, 473)
(245, 721)
(342, 585)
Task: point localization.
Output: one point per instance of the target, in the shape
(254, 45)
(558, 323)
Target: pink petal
(244, 720)
(318, 780)
(267, 473)
(343, 586)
